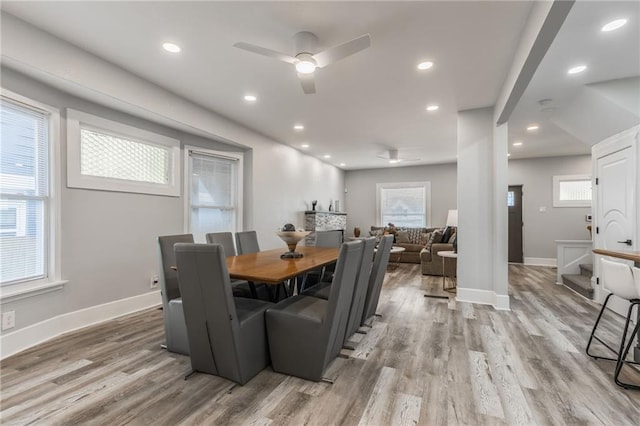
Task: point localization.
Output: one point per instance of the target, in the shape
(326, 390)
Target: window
(405, 204)
(26, 212)
(511, 199)
(214, 188)
(572, 191)
(106, 155)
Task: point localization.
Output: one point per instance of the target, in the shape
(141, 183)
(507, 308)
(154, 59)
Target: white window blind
(577, 190)
(24, 188)
(572, 191)
(404, 204)
(213, 194)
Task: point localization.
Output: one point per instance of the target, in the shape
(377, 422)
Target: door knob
(627, 242)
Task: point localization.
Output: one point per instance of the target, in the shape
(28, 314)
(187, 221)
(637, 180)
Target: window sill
(26, 291)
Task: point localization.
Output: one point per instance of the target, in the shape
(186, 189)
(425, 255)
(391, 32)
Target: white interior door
(616, 209)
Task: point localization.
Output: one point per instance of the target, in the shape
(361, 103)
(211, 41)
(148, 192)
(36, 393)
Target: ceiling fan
(392, 157)
(305, 60)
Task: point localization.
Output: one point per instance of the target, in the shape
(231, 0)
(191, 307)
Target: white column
(482, 211)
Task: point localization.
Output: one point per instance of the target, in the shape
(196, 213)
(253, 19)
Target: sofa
(431, 263)
(413, 240)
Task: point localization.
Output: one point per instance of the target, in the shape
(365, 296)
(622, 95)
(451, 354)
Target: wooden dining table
(267, 266)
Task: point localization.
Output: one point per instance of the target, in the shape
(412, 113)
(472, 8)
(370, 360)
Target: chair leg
(624, 350)
(595, 326)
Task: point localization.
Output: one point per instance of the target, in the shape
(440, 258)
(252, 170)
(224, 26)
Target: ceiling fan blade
(308, 83)
(341, 51)
(266, 52)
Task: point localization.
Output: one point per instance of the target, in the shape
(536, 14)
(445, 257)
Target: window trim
(53, 219)
(557, 202)
(75, 179)
(427, 198)
(239, 156)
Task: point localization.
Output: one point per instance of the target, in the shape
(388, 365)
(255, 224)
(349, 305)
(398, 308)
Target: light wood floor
(426, 361)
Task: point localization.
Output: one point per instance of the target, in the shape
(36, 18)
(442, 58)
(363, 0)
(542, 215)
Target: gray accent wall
(360, 196)
(542, 229)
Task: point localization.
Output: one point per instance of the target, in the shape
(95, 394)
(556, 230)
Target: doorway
(514, 203)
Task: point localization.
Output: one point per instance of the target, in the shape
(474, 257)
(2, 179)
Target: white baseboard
(19, 340)
(541, 261)
(483, 297)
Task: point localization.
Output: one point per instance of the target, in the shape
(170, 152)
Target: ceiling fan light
(305, 67)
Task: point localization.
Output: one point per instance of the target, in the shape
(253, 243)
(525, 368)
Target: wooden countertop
(627, 255)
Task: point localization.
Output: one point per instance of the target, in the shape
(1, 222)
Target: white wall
(109, 249)
(541, 229)
(360, 199)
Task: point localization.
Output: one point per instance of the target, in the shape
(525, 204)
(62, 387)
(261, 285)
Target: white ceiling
(367, 103)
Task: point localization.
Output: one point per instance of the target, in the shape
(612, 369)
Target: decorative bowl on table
(291, 239)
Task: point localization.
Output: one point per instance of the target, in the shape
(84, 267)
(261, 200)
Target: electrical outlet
(154, 281)
(8, 320)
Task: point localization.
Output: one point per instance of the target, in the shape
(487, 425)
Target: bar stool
(620, 280)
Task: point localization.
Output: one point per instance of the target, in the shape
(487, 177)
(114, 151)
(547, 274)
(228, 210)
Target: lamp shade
(452, 218)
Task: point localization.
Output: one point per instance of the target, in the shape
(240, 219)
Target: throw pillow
(447, 233)
(453, 238)
(436, 237)
(402, 237)
(415, 234)
(425, 237)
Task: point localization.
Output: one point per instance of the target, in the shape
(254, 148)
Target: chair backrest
(344, 280)
(377, 277)
(328, 238)
(209, 309)
(618, 278)
(636, 277)
(360, 289)
(225, 239)
(169, 279)
(247, 242)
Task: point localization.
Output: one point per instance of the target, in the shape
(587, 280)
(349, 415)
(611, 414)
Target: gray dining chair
(376, 279)
(306, 333)
(360, 289)
(328, 239)
(175, 330)
(227, 335)
(247, 242)
(241, 288)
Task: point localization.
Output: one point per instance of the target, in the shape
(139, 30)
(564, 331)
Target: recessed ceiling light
(577, 69)
(298, 127)
(433, 108)
(509, 155)
(533, 128)
(342, 164)
(326, 156)
(250, 98)
(517, 144)
(425, 65)
(305, 145)
(394, 161)
(614, 25)
(171, 47)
